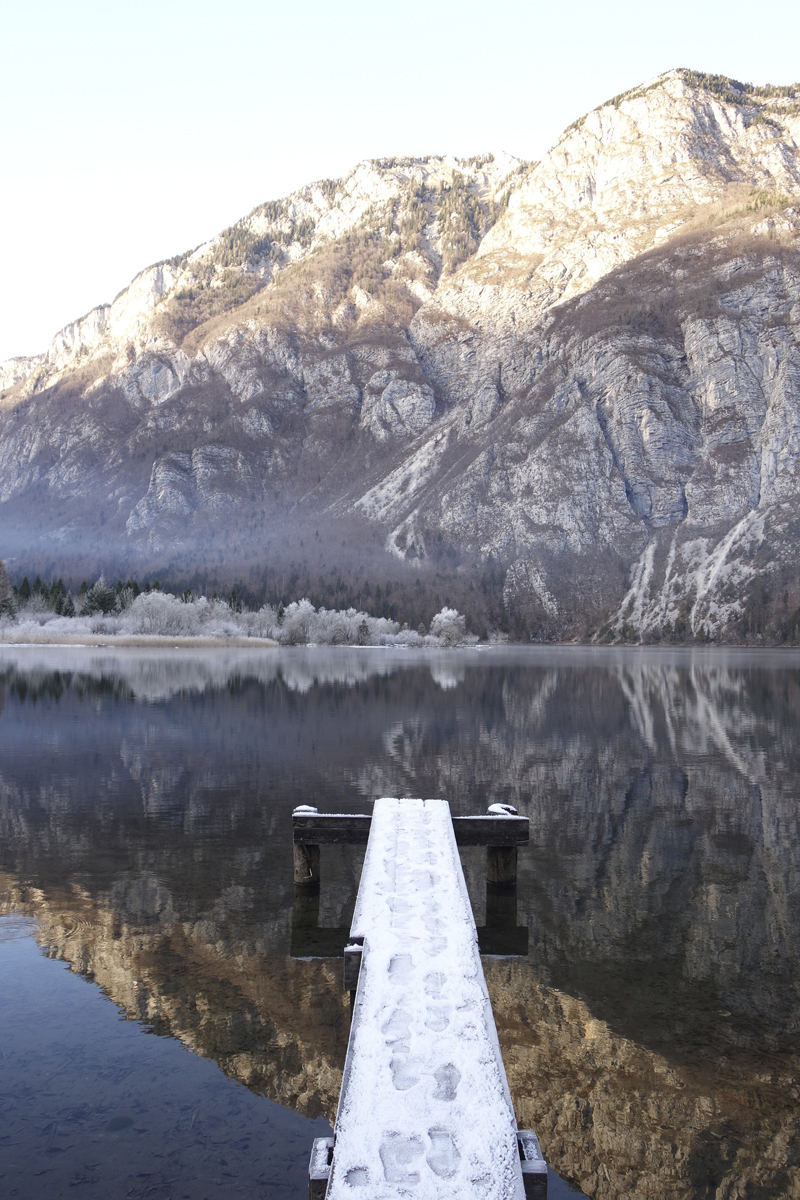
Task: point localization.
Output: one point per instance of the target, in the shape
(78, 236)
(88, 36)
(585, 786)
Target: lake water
(166, 1027)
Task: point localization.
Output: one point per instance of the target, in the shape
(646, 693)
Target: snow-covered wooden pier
(424, 1109)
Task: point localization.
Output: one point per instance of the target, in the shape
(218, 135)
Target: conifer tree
(7, 607)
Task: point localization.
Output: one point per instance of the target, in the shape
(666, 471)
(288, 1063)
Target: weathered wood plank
(490, 830)
(331, 829)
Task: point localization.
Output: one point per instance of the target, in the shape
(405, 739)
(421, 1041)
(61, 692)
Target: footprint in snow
(398, 1154)
(447, 1079)
(443, 1158)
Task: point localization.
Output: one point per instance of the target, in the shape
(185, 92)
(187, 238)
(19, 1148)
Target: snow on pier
(424, 1110)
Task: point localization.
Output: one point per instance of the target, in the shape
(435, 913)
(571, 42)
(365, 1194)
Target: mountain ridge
(576, 379)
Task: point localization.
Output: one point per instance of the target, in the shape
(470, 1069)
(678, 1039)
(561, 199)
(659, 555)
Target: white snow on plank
(424, 1110)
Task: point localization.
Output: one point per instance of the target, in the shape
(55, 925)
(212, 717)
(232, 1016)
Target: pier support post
(306, 865)
(305, 922)
(501, 864)
(501, 861)
(306, 857)
(501, 934)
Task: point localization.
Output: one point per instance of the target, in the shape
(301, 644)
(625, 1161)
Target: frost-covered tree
(297, 623)
(125, 598)
(449, 627)
(261, 624)
(160, 614)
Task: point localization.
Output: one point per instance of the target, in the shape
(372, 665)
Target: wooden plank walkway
(424, 1110)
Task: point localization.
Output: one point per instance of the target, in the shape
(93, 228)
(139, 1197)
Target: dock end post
(352, 964)
(319, 1168)
(534, 1168)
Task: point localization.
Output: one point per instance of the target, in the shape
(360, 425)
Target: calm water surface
(649, 1012)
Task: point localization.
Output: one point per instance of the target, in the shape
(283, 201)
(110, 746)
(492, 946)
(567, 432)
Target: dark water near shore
(649, 1024)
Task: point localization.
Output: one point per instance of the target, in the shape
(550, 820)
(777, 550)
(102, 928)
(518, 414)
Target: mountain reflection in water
(650, 1034)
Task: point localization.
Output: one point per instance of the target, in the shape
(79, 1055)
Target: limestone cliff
(581, 376)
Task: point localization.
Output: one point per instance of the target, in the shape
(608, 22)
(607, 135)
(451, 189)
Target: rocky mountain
(564, 395)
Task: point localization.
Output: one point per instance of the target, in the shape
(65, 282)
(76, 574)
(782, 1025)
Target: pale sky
(133, 131)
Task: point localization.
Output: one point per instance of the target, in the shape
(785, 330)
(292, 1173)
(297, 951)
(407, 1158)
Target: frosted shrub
(125, 599)
(262, 624)
(159, 613)
(335, 627)
(383, 632)
(303, 624)
(35, 606)
(99, 623)
(34, 612)
(346, 627)
(298, 620)
(24, 627)
(449, 627)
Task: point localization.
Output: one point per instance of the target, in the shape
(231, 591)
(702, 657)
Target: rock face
(581, 374)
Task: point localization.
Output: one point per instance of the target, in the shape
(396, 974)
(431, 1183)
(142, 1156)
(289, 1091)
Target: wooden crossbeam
(311, 828)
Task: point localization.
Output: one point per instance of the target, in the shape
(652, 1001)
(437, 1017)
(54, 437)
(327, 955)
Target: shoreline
(153, 641)
(145, 640)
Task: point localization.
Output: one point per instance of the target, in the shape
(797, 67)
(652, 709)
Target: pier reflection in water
(650, 1033)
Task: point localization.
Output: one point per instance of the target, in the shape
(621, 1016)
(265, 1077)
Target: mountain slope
(575, 384)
